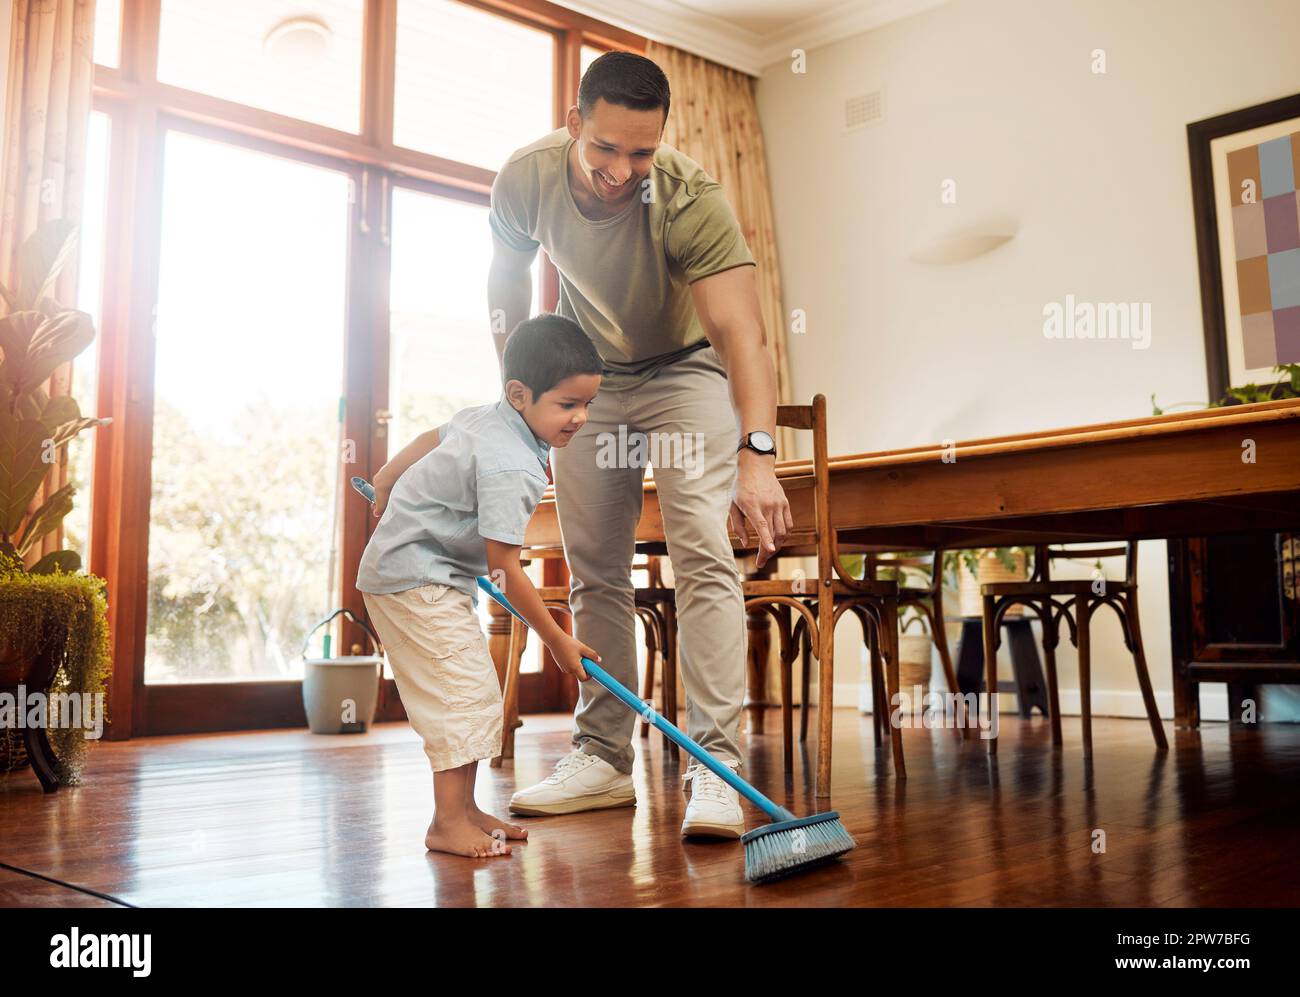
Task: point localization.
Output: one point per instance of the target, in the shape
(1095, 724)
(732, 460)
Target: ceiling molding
(844, 21)
(714, 38)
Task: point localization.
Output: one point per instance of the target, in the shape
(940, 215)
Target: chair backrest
(1045, 554)
(813, 418)
(929, 564)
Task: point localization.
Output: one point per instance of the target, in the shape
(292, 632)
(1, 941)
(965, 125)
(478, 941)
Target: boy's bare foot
(464, 837)
(488, 824)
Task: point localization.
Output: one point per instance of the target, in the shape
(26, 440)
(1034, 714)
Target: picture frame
(1249, 269)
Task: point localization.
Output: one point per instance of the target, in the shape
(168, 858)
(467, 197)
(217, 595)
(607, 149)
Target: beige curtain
(47, 108)
(714, 120)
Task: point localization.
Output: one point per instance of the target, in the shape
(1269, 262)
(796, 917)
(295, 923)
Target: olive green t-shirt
(625, 280)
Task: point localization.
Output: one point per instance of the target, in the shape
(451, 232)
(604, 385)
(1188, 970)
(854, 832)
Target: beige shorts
(443, 671)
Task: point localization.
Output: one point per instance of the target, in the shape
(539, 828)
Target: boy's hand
(382, 491)
(569, 653)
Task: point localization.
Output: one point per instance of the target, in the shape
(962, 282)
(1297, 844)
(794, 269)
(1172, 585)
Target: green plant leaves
(46, 518)
(67, 561)
(41, 259)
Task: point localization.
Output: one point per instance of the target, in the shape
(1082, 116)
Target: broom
(784, 847)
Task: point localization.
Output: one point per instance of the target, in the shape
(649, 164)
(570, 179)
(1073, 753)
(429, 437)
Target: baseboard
(1105, 702)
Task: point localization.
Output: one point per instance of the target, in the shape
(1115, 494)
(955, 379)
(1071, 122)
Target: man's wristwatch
(759, 442)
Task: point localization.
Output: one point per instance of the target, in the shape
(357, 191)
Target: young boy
(448, 515)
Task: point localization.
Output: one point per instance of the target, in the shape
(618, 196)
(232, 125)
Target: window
(302, 59)
(471, 86)
(248, 373)
(85, 367)
(108, 32)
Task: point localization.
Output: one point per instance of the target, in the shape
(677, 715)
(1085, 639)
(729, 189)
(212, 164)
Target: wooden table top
(1230, 469)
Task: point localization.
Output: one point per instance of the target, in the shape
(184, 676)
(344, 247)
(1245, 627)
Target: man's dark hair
(546, 349)
(626, 79)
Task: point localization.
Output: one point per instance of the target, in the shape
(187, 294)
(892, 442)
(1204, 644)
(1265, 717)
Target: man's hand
(760, 500)
(568, 653)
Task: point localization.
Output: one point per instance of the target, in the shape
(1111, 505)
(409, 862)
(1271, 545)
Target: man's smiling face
(616, 147)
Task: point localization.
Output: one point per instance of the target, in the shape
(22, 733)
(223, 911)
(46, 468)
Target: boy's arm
(388, 474)
(508, 575)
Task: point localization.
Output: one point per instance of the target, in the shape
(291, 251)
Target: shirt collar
(515, 420)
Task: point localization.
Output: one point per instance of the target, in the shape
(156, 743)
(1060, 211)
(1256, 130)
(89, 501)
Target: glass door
(249, 352)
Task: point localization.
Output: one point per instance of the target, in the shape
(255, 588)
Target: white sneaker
(580, 782)
(714, 810)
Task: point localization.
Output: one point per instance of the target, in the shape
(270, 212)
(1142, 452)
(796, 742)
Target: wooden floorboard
(285, 818)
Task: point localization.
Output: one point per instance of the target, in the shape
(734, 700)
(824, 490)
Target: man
(655, 269)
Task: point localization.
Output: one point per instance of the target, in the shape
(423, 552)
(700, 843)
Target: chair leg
(787, 712)
(670, 673)
(510, 696)
(879, 706)
(825, 691)
(940, 633)
(1084, 623)
(991, 674)
(648, 686)
(805, 674)
(1049, 659)
(1144, 679)
(889, 624)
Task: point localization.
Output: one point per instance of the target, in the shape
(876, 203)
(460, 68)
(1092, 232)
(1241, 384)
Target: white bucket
(339, 694)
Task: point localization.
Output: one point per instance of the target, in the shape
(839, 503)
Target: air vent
(863, 110)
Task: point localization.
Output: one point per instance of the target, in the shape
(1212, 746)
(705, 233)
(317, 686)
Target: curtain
(46, 114)
(713, 119)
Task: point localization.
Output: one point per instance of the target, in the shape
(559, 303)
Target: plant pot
(914, 662)
(991, 569)
(331, 686)
(15, 663)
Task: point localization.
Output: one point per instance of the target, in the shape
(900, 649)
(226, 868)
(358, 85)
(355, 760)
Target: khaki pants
(443, 671)
(684, 404)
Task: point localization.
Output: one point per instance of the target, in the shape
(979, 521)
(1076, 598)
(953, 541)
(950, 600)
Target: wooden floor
(286, 819)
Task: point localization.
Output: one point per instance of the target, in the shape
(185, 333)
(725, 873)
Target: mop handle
(664, 726)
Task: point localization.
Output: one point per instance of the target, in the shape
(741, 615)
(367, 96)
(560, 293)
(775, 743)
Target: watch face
(760, 439)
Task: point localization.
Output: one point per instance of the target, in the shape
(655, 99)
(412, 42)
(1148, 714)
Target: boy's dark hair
(546, 349)
(626, 79)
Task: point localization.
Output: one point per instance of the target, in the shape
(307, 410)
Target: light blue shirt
(482, 481)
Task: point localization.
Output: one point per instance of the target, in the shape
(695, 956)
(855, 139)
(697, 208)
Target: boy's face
(558, 414)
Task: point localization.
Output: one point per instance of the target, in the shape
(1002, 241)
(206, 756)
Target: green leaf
(67, 561)
(42, 257)
(46, 518)
(58, 339)
(22, 444)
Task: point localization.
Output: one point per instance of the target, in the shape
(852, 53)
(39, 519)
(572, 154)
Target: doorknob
(382, 418)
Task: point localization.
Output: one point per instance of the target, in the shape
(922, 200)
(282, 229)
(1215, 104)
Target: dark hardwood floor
(286, 818)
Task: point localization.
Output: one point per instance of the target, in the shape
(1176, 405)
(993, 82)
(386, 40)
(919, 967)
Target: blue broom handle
(666, 728)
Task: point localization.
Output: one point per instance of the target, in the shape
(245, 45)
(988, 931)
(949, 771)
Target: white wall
(1000, 96)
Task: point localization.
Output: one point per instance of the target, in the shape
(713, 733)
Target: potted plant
(1287, 386)
(48, 609)
(969, 569)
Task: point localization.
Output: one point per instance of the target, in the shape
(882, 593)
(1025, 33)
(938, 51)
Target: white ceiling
(748, 34)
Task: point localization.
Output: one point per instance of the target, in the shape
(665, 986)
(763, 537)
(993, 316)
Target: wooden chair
(1075, 601)
(816, 612)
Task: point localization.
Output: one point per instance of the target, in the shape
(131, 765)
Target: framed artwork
(1244, 168)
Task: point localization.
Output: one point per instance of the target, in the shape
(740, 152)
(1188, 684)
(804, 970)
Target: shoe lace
(708, 784)
(570, 763)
